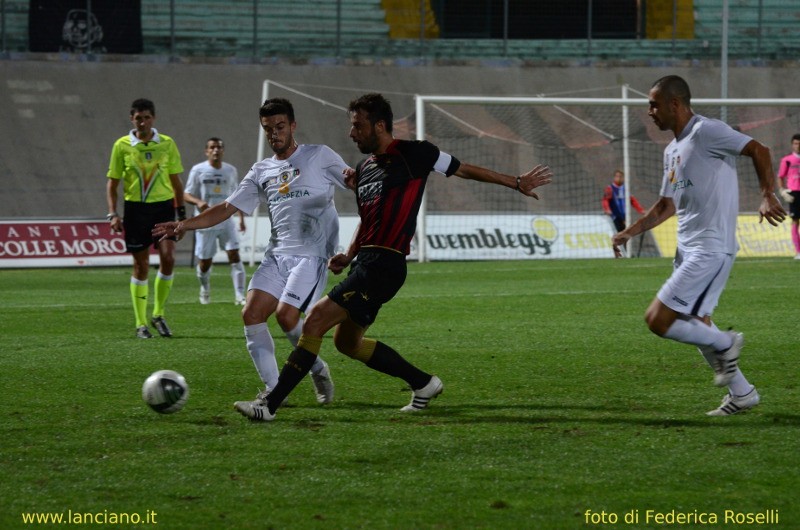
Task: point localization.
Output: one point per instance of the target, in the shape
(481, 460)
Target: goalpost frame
(624, 102)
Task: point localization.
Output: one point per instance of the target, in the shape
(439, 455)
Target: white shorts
(295, 280)
(205, 242)
(697, 282)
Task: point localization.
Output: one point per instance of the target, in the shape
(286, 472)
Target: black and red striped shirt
(389, 190)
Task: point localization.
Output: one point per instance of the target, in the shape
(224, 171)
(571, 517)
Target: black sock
(385, 359)
(297, 366)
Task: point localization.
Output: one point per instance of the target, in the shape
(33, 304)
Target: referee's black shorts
(138, 220)
(375, 277)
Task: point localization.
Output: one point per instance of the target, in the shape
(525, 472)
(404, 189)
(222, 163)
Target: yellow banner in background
(763, 239)
(755, 239)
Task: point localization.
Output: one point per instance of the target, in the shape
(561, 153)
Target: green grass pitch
(557, 401)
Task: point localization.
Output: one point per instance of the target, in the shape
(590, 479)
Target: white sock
(739, 386)
(293, 336)
(693, 331)
(238, 277)
(262, 350)
(205, 279)
(318, 366)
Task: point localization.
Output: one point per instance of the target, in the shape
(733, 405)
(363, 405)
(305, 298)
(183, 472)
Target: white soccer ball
(166, 391)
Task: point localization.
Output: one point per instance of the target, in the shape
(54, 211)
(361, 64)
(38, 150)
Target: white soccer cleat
(735, 404)
(726, 362)
(240, 300)
(323, 385)
(205, 297)
(420, 398)
(253, 410)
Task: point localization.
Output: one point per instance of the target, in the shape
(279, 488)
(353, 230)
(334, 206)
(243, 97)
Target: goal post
(583, 140)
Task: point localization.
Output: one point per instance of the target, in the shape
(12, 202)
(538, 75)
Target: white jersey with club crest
(298, 193)
(700, 176)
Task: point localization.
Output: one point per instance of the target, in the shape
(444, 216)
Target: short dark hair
(377, 108)
(673, 86)
(796, 137)
(276, 106)
(141, 105)
(215, 139)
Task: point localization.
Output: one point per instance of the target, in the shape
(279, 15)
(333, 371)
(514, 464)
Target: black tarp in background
(111, 26)
(536, 19)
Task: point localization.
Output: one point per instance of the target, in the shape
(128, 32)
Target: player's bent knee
(252, 316)
(287, 317)
(656, 325)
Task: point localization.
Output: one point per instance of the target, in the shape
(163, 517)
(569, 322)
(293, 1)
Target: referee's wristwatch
(111, 216)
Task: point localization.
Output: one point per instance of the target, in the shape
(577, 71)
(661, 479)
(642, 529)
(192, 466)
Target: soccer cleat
(261, 398)
(420, 398)
(726, 362)
(240, 300)
(253, 410)
(735, 404)
(143, 333)
(323, 385)
(161, 326)
(205, 297)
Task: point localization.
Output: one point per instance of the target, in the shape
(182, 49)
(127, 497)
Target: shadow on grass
(194, 336)
(536, 414)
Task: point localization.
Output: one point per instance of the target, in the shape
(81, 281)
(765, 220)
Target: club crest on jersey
(285, 177)
(148, 155)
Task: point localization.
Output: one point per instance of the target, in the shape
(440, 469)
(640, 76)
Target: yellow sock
(139, 294)
(310, 344)
(163, 285)
(364, 353)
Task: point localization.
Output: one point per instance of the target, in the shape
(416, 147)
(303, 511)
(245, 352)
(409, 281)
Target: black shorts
(374, 278)
(794, 206)
(138, 220)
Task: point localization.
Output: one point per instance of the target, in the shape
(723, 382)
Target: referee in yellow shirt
(149, 165)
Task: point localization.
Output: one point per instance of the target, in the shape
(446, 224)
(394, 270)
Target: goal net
(584, 141)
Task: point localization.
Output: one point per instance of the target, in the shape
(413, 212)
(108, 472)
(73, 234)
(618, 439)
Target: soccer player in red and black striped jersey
(389, 184)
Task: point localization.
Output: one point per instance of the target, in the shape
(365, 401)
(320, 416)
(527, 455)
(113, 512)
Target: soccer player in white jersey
(297, 185)
(210, 183)
(700, 184)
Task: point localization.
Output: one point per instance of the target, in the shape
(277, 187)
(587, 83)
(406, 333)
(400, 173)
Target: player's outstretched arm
(211, 217)
(663, 209)
(525, 183)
